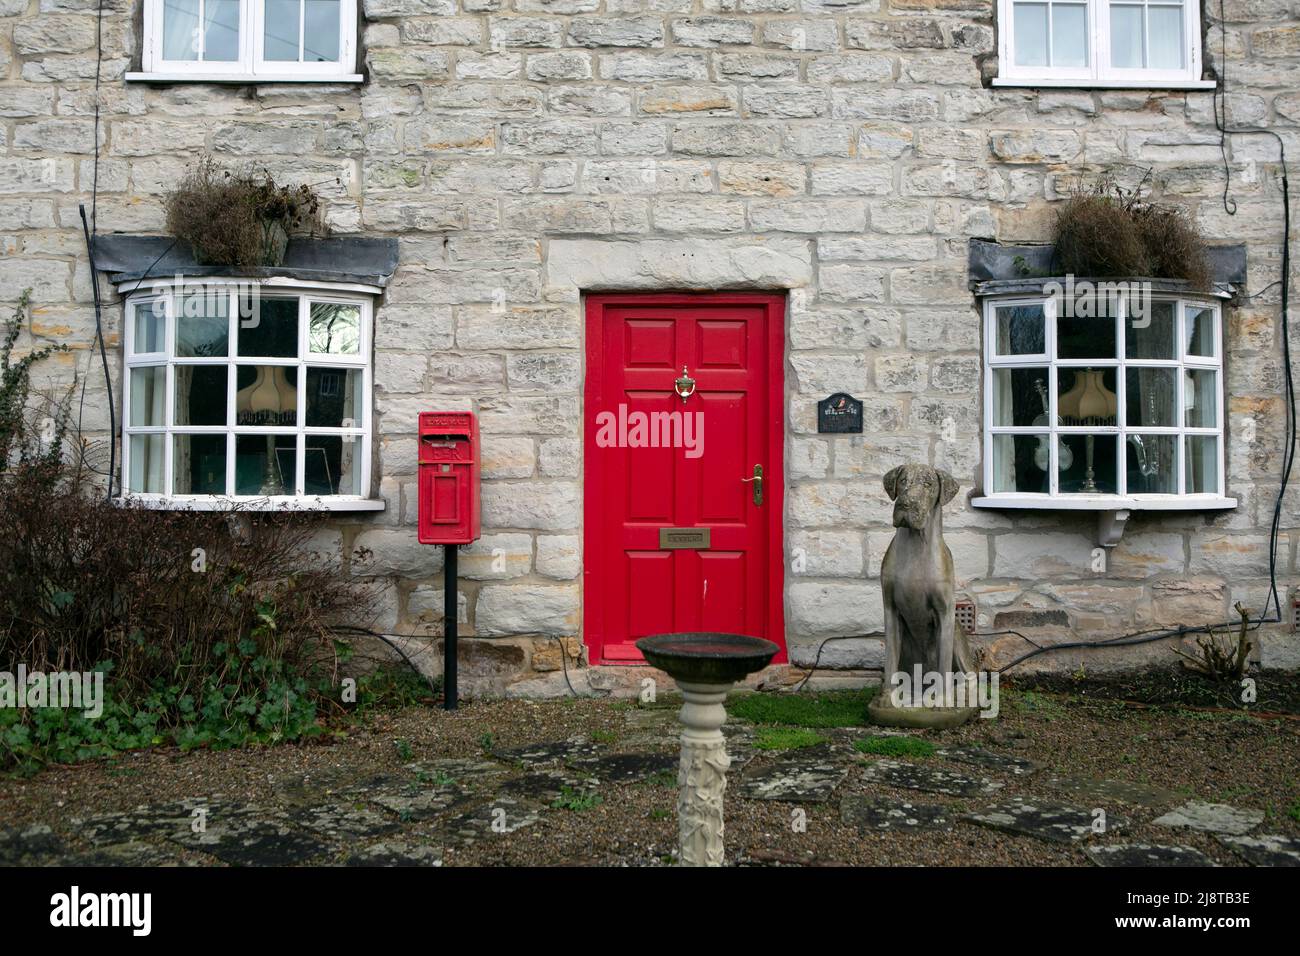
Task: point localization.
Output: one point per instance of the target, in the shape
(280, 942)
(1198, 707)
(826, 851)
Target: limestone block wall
(844, 150)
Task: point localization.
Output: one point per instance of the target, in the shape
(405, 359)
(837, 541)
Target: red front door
(655, 461)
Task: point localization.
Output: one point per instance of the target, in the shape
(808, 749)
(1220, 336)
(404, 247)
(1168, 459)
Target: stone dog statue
(917, 583)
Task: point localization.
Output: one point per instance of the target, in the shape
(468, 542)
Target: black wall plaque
(841, 414)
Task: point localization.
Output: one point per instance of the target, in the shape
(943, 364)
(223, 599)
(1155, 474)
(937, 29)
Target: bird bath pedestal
(705, 666)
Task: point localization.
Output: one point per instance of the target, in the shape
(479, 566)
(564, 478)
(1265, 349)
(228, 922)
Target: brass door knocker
(684, 386)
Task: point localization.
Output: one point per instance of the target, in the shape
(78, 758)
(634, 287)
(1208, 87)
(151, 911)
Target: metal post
(449, 610)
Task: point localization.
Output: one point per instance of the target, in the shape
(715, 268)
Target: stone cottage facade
(525, 154)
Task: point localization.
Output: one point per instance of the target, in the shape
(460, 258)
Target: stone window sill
(1112, 511)
(242, 78)
(1104, 84)
(274, 503)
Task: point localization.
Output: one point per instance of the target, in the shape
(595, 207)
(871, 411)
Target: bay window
(1118, 405)
(249, 40)
(1100, 43)
(233, 391)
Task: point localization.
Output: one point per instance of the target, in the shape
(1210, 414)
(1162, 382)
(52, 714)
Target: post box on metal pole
(449, 511)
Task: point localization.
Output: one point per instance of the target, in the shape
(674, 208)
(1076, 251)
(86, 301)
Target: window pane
(1092, 468)
(265, 464)
(1083, 337)
(1020, 463)
(281, 34)
(334, 329)
(266, 395)
(1202, 465)
(1127, 39)
(146, 464)
(181, 30)
(1198, 332)
(1087, 397)
(321, 31)
(201, 394)
(1152, 464)
(332, 465)
(148, 397)
(1149, 397)
(150, 327)
(1031, 34)
(1070, 34)
(199, 465)
(1200, 403)
(334, 398)
(1149, 330)
(1020, 396)
(1020, 330)
(1166, 25)
(203, 324)
(220, 30)
(271, 329)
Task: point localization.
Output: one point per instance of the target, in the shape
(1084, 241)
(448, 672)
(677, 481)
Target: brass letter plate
(672, 538)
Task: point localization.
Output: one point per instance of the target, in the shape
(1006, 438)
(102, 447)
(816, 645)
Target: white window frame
(251, 67)
(1123, 499)
(1099, 74)
(363, 432)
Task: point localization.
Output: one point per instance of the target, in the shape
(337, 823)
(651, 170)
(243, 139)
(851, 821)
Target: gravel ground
(1247, 762)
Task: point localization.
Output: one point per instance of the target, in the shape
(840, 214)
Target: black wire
(103, 353)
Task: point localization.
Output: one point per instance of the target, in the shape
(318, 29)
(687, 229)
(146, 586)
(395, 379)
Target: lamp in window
(1088, 402)
(270, 400)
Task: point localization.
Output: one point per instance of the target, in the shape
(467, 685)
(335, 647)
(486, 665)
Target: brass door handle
(757, 481)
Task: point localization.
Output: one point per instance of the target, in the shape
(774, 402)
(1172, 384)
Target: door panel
(650, 477)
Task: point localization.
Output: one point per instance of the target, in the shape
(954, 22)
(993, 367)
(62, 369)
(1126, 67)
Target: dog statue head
(917, 490)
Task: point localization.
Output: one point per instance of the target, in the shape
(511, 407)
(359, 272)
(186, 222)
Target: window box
(1111, 403)
(249, 41)
(246, 394)
(1106, 44)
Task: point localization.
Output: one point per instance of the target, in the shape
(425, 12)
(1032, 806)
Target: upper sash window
(253, 40)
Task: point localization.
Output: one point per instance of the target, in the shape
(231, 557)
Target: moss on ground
(835, 709)
(895, 746)
(786, 738)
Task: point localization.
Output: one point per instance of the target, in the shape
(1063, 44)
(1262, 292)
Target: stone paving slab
(463, 772)
(806, 776)
(628, 768)
(1101, 792)
(397, 854)
(927, 779)
(256, 843)
(500, 816)
(1212, 817)
(544, 784)
(549, 752)
(343, 822)
(420, 801)
(979, 757)
(1147, 854)
(1265, 849)
(882, 813)
(1057, 823)
(34, 845)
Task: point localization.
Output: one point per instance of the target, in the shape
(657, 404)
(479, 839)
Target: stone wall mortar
(846, 151)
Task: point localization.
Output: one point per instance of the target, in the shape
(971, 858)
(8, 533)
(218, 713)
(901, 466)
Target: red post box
(449, 478)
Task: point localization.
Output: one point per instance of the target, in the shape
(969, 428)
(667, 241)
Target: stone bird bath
(705, 666)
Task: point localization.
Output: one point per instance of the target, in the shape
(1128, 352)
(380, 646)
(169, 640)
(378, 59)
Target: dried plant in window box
(1106, 230)
(240, 217)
